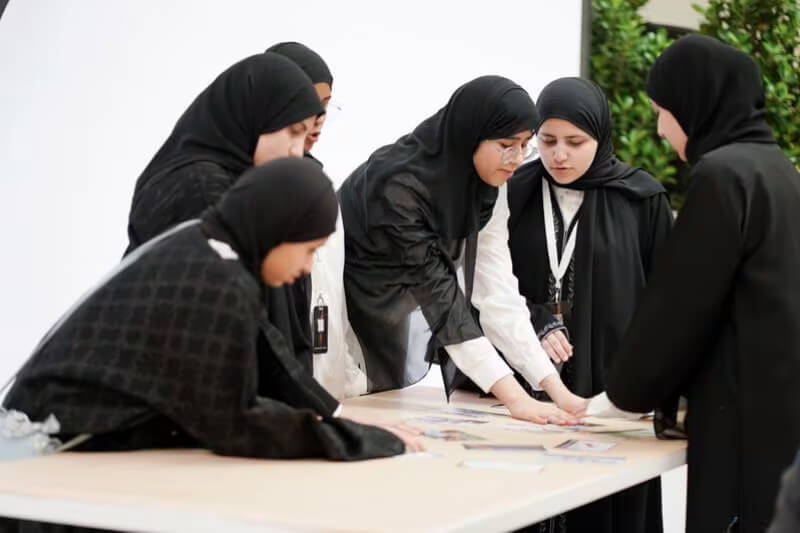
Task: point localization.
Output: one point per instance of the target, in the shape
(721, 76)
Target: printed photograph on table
(506, 447)
(447, 420)
(579, 445)
(452, 435)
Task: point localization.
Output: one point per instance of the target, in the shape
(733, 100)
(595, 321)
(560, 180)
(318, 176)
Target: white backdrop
(91, 88)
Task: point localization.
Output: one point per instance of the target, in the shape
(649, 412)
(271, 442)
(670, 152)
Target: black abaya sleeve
(283, 377)
(427, 270)
(544, 322)
(660, 224)
(215, 401)
(685, 299)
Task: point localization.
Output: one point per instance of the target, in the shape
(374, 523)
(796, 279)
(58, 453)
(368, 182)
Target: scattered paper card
(452, 435)
(580, 445)
(420, 455)
(473, 412)
(600, 459)
(584, 426)
(501, 465)
(447, 420)
(506, 447)
(532, 428)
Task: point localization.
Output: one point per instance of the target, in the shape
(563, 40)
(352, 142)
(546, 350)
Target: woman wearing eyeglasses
(425, 211)
(583, 229)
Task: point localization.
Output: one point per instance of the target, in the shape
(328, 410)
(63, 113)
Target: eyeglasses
(511, 154)
(331, 114)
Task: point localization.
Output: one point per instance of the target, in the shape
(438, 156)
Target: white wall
(673, 12)
(91, 88)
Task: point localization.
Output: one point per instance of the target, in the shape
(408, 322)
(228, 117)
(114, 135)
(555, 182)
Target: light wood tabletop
(449, 488)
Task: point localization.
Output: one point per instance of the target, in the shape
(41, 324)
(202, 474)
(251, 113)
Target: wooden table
(195, 491)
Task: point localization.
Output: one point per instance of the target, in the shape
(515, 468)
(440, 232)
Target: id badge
(319, 324)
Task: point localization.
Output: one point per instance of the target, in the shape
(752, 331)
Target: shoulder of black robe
(259, 94)
(717, 96)
(305, 58)
(176, 332)
(174, 196)
(435, 160)
(308, 155)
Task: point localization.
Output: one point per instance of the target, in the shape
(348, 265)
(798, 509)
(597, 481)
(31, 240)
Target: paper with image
(447, 420)
(581, 445)
(506, 447)
(452, 435)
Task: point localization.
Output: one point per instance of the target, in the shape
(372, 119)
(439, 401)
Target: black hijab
(285, 200)
(438, 153)
(305, 58)
(583, 104)
(714, 91)
(614, 233)
(260, 94)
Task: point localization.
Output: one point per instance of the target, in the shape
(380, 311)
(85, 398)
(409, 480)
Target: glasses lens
(333, 112)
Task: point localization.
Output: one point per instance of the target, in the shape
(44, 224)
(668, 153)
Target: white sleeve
(338, 369)
(601, 406)
(504, 316)
(478, 359)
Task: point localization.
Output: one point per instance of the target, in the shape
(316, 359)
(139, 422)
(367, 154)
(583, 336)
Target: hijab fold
(439, 152)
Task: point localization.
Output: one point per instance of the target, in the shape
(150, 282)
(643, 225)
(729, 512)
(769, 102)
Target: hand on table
(408, 434)
(527, 408)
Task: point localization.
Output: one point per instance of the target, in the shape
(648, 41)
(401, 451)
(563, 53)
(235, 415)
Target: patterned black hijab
(285, 200)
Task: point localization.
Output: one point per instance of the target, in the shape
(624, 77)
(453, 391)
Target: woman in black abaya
(176, 347)
(583, 230)
(719, 321)
(416, 213)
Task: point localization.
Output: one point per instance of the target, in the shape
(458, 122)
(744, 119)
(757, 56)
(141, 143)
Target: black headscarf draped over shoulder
(438, 153)
(714, 91)
(307, 59)
(260, 94)
(285, 200)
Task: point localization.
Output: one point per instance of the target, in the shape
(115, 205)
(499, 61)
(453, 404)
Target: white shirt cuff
(337, 412)
(601, 406)
(536, 368)
(478, 359)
